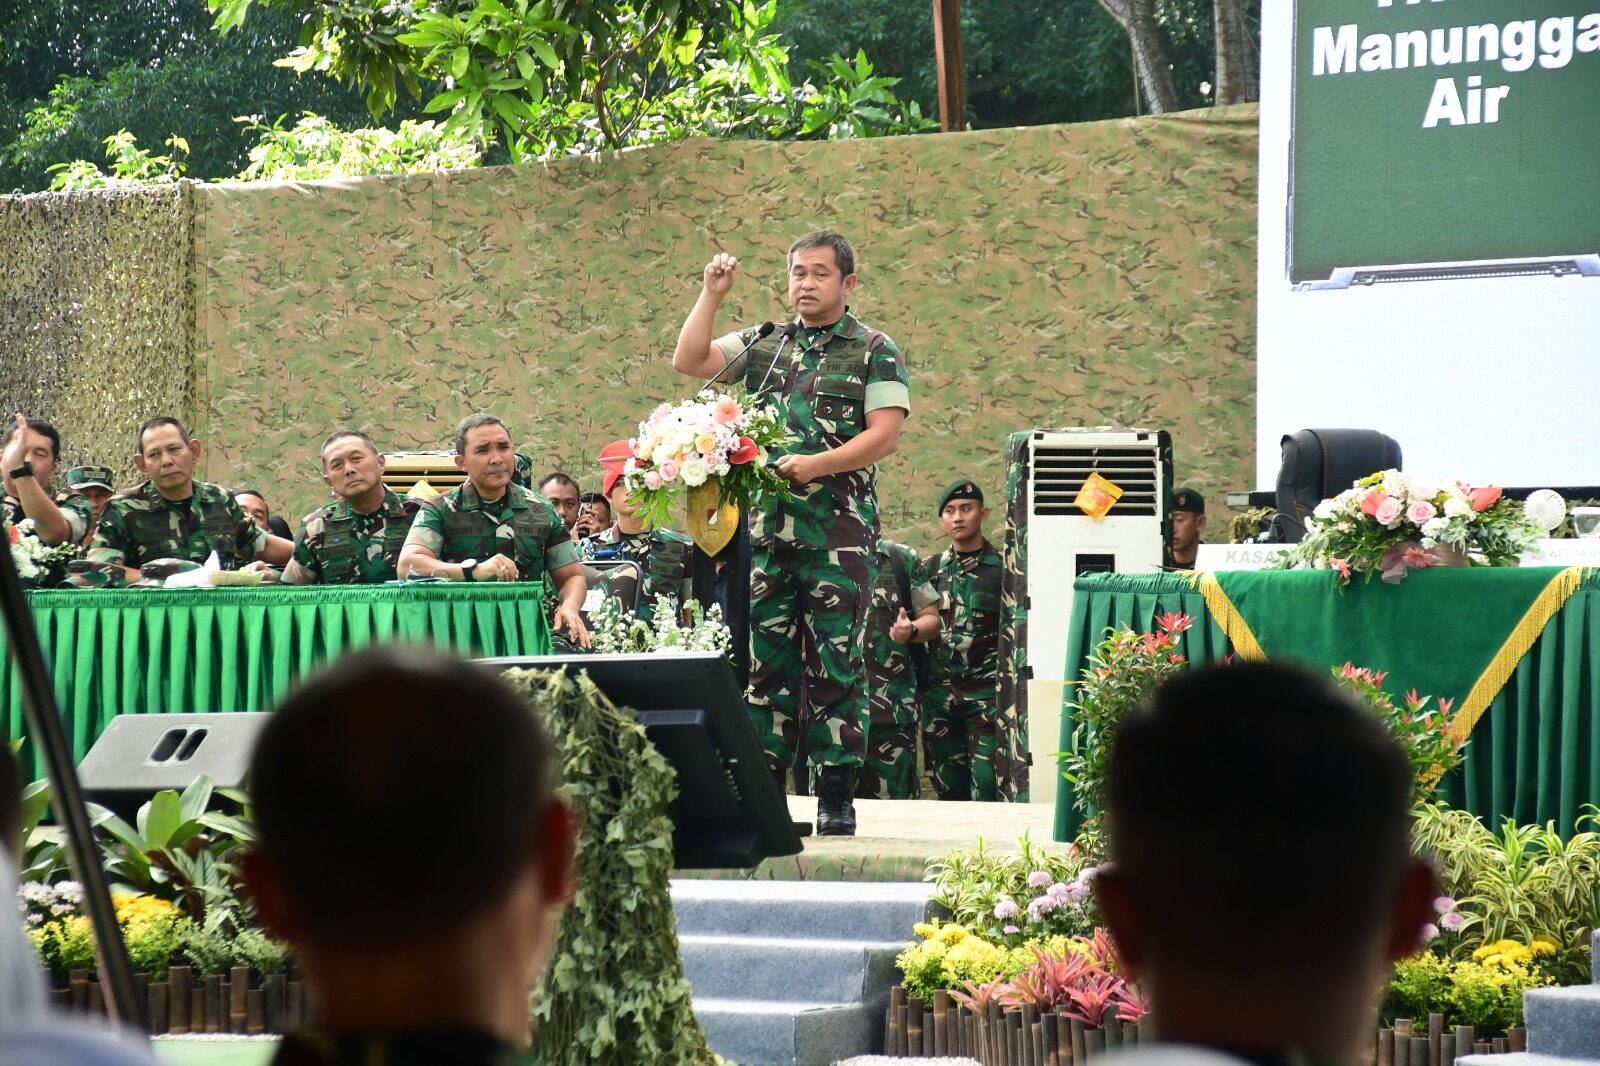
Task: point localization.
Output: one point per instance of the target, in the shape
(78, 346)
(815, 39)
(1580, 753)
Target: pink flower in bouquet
(744, 453)
(661, 411)
(1417, 558)
(652, 480)
(1340, 565)
(669, 471)
(1453, 921)
(1010, 930)
(1371, 502)
(14, 534)
(1444, 905)
(726, 410)
(1388, 512)
(1419, 512)
(1483, 499)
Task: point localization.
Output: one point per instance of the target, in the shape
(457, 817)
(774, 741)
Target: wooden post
(1517, 1038)
(1402, 1042)
(1385, 1047)
(157, 1009)
(891, 1029)
(78, 985)
(1094, 1043)
(1080, 1042)
(181, 978)
(914, 1028)
(97, 1003)
(941, 1023)
(947, 58)
(197, 1010)
(214, 1003)
(1419, 1051)
(1063, 1040)
(1435, 1039)
(1464, 1037)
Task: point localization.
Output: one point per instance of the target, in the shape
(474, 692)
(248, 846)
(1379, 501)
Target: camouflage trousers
(889, 770)
(807, 610)
(960, 736)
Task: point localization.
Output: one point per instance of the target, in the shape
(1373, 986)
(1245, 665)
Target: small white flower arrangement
(33, 556)
(616, 631)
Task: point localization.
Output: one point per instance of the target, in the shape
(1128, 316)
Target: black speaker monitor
(729, 813)
(141, 754)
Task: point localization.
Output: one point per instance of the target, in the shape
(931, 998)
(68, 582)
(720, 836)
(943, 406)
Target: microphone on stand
(762, 331)
(789, 331)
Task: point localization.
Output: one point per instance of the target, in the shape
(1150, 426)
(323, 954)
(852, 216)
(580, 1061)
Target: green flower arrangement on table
(1391, 522)
(724, 440)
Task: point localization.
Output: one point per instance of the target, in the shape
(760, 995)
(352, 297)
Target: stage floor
(895, 839)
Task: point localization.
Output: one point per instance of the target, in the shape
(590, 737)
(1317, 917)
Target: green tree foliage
(1027, 61)
(79, 71)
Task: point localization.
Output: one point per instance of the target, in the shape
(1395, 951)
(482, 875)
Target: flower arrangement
(724, 436)
(615, 630)
(1015, 898)
(33, 556)
(1123, 671)
(1390, 523)
(1430, 743)
(1483, 991)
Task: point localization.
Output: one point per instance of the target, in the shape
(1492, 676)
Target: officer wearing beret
(94, 484)
(960, 728)
(1187, 518)
(664, 557)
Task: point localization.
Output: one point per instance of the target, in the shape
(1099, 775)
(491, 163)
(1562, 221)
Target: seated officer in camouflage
(173, 516)
(29, 451)
(904, 612)
(490, 529)
(95, 485)
(845, 395)
(357, 540)
(664, 557)
(959, 726)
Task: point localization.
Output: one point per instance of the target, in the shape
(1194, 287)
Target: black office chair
(1319, 464)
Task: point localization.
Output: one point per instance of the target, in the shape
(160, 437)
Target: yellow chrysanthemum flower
(1543, 947)
(924, 930)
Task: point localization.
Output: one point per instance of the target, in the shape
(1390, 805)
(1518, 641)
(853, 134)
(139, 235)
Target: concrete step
(809, 909)
(785, 1033)
(783, 969)
(1523, 1058)
(1564, 1022)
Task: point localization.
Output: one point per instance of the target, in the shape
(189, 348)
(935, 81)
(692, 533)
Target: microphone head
(764, 329)
(790, 329)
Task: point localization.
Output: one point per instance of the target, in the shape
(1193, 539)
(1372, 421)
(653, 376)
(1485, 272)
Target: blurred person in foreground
(1262, 882)
(411, 961)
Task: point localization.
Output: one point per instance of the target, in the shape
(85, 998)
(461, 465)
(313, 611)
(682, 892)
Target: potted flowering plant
(1391, 523)
(714, 449)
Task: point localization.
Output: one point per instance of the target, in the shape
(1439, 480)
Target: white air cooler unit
(1064, 543)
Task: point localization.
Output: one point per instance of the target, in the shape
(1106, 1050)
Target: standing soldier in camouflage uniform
(95, 485)
(490, 529)
(664, 557)
(845, 392)
(357, 540)
(173, 516)
(959, 728)
(904, 614)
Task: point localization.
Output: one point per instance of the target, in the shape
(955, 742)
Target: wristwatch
(467, 567)
(25, 470)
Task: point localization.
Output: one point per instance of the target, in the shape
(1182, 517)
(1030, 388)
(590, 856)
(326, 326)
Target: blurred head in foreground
(412, 849)
(1262, 880)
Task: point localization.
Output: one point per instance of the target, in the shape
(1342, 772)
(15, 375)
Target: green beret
(83, 477)
(1187, 500)
(960, 490)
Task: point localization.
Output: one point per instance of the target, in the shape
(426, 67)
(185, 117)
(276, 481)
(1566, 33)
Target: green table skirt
(1533, 700)
(144, 651)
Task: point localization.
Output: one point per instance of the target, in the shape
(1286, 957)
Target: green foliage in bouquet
(724, 438)
(1122, 673)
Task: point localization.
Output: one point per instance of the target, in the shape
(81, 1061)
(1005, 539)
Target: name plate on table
(1576, 551)
(1218, 557)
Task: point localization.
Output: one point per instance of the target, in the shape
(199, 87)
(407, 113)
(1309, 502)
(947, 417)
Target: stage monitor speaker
(729, 813)
(141, 754)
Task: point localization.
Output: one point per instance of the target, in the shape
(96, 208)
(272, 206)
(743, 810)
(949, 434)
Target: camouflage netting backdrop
(1046, 276)
(97, 325)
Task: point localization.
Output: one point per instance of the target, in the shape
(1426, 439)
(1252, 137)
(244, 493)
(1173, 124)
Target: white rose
(1434, 526)
(1324, 510)
(1456, 507)
(694, 472)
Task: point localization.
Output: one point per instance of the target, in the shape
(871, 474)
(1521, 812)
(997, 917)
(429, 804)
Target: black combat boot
(836, 809)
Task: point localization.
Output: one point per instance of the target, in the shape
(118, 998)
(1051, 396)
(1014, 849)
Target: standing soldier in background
(845, 393)
(664, 557)
(960, 731)
(357, 540)
(902, 619)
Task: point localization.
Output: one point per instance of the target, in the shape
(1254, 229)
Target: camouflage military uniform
(337, 546)
(79, 513)
(893, 718)
(140, 524)
(958, 728)
(663, 556)
(522, 525)
(811, 569)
